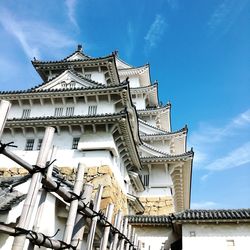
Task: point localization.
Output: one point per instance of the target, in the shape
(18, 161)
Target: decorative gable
(77, 56)
(121, 64)
(68, 80)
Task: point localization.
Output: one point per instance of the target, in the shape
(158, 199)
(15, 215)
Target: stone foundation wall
(112, 193)
(8, 172)
(157, 205)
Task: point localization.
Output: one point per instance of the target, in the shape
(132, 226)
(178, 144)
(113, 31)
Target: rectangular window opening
(92, 110)
(70, 111)
(29, 144)
(88, 76)
(26, 113)
(39, 144)
(75, 142)
(58, 112)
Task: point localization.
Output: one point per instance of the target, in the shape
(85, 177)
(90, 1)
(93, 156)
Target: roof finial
(115, 53)
(79, 47)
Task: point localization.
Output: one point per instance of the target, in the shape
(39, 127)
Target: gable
(77, 56)
(121, 64)
(68, 80)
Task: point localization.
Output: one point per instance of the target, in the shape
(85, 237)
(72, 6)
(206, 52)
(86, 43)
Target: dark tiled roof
(169, 157)
(37, 62)
(216, 214)
(185, 129)
(213, 215)
(154, 127)
(74, 73)
(77, 51)
(8, 200)
(149, 219)
(34, 90)
(156, 109)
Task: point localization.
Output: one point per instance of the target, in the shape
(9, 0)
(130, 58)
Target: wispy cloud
(155, 32)
(214, 145)
(33, 36)
(130, 44)
(204, 205)
(71, 6)
(224, 16)
(235, 158)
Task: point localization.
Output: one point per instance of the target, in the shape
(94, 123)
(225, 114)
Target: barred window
(145, 179)
(92, 110)
(26, 113)
(70, 111)
(75, 142)
(29, 144)
(58, 112)
(88, 76)
(39, 144)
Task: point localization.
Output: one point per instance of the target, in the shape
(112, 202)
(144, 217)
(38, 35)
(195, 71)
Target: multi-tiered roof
(141, 126)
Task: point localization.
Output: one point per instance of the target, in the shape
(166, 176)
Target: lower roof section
(193, 216)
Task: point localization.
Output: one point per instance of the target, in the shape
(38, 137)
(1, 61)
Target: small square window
(192, 234)
(230, 243)
(75, 142)
(29, 144)
(69, 111)
(39, 144)
(88, 76)
(26, 113)
(58, 112)
(92, 110)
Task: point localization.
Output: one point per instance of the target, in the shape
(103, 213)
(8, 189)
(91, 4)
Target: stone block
(104, 170)
(163, 210)
(66, 170)
(104, 180)
(108, 192)
(92, 171)
(143, 199)
(22, 171)
(105, 202)
(7, 174)
(153, 199)
(13, 171)
(161, 204)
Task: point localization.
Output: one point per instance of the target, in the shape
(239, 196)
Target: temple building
(108, 116)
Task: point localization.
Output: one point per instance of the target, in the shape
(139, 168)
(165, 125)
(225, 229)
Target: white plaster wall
(159, 177)
(139, 103)
(155, 192)
(147, 130)
(153, 237)
(212, 236)
(98, 77)
(134, 81)
(49, 110)
(161, 146)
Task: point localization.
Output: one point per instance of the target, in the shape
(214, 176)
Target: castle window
(230, 244)
(75, 142)
(26, 113)
(88, 76)
(92, 110)
(70, 111)
(39, 144)
(58, 112)
(145, 179)
(29, 144)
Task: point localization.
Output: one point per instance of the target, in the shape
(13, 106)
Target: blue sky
(198, 51)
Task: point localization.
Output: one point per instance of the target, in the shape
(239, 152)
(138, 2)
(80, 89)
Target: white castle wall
(49, 109)
(216, 236)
